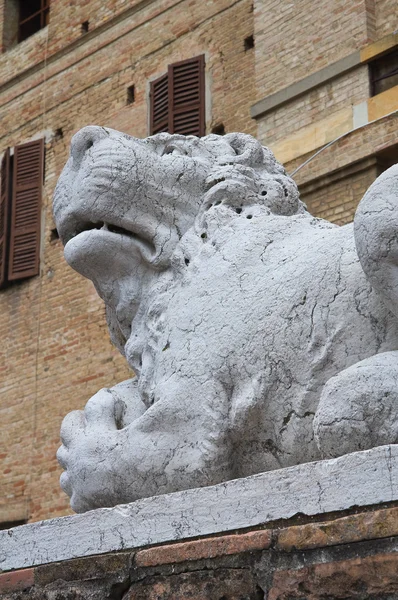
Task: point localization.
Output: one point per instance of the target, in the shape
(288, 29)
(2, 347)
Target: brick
(303, 45)
(363, 578)
(84, 569)
(218, 584)
(337, 200)
(364, 526)
(16, 580)
(204, 548)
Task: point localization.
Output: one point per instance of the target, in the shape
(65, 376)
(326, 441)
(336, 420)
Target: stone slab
(357, 479)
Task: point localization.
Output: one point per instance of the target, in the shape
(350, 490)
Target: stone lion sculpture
(261, 337)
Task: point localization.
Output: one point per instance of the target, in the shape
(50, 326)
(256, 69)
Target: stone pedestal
(320, 530)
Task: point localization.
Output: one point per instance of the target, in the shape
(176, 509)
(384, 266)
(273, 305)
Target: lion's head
(122, 206)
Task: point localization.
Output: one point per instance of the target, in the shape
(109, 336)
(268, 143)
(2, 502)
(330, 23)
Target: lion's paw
(91, 443)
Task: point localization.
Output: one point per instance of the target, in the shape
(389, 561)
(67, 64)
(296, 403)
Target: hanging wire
(339, 138)
(45, 78)
(39, 303)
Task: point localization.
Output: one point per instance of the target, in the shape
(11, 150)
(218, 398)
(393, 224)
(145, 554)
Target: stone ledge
(359, 479)
(252, 571)
(332, 558)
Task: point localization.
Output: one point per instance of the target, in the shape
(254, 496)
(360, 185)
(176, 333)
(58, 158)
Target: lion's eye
(172, 149)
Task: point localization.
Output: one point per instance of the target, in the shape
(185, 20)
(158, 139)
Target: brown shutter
(187, 97)
(4, 202)
(159, 105)
(25, 210)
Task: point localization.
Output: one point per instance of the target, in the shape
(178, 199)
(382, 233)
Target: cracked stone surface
(261, 337)
(362, 479)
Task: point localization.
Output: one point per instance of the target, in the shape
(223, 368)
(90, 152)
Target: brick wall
(386, 15)
(335, 196)
(55, 352)
(331, 556)
(301, 40)
(325, 100)
(368, 141)
(294, 39)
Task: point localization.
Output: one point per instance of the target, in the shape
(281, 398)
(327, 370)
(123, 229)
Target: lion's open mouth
(86, 226)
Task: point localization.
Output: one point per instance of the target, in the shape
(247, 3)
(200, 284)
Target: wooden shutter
(159, 105)
(177, 99)
(4, 202)
(25, 210)
(187, 97)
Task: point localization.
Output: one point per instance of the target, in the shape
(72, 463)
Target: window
(384, 72)
(177, 99)
(24, 18)
(33, 15)
(10, 524)
(20, 204)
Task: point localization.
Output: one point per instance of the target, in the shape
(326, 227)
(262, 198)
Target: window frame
(376, 74)
(44, 13)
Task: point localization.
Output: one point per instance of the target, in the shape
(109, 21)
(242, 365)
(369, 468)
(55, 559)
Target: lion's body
(272, 329)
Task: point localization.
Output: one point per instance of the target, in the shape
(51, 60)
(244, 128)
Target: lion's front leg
(92, 446)
(358, 408)
(175, 444)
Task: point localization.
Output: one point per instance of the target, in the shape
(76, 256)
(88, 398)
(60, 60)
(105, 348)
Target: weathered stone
(207, 548)
(71, 590)
(80, 579)
(371, 577)
(363, 526)
(84, 569)
(357, 479)
(234, 584)
(260, 336)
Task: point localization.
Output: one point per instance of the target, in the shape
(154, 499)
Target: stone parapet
(321, 530)
(354, 556)
(362, 479)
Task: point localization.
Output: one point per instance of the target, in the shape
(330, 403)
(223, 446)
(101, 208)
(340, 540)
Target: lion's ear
(248, 150)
